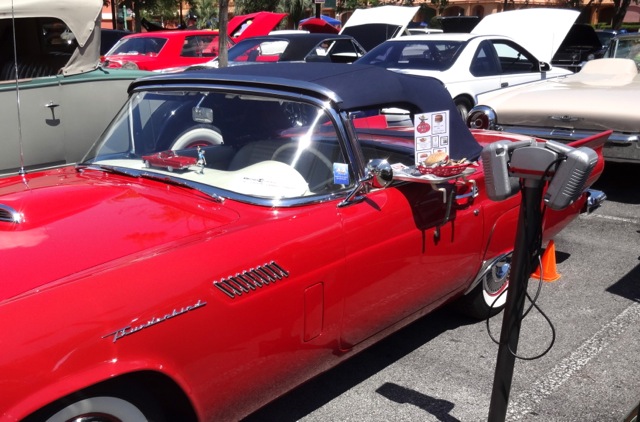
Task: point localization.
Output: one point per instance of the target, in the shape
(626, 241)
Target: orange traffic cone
(549, 270)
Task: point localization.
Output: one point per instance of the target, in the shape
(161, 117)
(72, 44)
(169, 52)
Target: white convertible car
(603, 95)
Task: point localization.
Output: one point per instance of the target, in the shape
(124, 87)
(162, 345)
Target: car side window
(44, 46)
(139, 45)
(198, 46)
(485, 61)
(343, 51)
(513, 58)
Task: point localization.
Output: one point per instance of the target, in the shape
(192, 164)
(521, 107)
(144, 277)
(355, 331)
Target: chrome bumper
(620, 147)
(594, 199)
(569, 135)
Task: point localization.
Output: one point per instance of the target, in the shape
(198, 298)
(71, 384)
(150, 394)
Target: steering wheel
(198, 136)
(315, 152)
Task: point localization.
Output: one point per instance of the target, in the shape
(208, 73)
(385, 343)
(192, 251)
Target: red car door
(402, 256)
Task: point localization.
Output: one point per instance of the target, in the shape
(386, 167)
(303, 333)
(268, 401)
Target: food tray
(412, 174)
(443, 171)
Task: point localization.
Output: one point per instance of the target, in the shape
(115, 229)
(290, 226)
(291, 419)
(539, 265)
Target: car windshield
(240, 144)
(138, 45)
(414, 54)
(605, 37)
(627, 48)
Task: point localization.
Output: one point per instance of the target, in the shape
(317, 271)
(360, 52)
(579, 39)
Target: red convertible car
(205, 294)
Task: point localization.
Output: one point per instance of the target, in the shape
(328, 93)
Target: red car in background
(162, 50)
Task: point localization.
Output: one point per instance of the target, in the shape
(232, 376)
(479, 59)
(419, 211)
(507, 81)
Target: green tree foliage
(440, 5)
(242, 7)
(345, 5)
(295, 9)
(163, 10)
(206, 12)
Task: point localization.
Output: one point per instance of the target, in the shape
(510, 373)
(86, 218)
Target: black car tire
(463, 105)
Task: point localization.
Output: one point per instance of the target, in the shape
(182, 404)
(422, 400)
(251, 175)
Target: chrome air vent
(9, 215)
(245, 282)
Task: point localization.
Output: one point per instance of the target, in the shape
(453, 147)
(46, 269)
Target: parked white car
(503, 50)
(602, 96)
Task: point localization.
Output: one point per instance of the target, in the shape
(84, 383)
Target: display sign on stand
(431, 131)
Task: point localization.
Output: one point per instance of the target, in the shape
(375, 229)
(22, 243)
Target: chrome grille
(10, 215)
(250, 280)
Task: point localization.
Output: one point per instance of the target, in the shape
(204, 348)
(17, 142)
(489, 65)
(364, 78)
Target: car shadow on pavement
(325, 387)
(618, 182)
(629, 285)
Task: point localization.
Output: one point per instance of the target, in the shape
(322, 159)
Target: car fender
(90, 376)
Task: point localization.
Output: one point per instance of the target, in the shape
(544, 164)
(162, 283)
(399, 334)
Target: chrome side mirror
(380, 173)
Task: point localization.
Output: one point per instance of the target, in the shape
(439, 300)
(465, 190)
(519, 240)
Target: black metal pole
(526, 248)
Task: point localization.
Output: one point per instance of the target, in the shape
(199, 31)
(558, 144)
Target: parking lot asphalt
(441, 368)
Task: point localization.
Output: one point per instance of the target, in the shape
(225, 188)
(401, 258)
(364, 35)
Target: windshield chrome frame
(218, 193)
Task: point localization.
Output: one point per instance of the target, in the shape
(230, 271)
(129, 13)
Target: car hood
(76, 223)
(568, 102)
(373, 26)
(261, 24)
(541, 31)
(392, 15)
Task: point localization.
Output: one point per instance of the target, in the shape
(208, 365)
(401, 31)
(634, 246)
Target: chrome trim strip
(569, 135)
(10, 215)
(215, 193)
(155, 320)
(486, 267)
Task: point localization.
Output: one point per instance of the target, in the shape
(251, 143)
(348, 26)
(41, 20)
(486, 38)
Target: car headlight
(482, 117)
(130, 66)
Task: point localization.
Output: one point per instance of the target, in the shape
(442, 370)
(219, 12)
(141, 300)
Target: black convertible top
(352, 87)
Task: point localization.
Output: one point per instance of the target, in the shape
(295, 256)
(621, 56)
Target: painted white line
(525, 402)
(612, 218)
